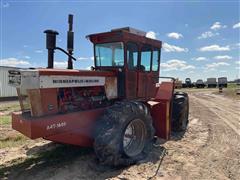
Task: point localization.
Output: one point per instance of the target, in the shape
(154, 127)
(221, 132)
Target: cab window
(145, 58)
(155, 59)
(132, 55)
(109, 54)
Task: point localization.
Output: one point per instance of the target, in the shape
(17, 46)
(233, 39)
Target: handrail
(167, 77)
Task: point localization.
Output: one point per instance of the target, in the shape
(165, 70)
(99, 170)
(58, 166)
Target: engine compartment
(81, 98)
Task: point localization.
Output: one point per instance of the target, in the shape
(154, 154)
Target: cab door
(131, 70)
(154, 75)
(144, 72)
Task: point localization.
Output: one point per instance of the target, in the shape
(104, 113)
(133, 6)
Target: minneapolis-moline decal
(70, 81)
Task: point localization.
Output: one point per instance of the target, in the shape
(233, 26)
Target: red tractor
(118, 107)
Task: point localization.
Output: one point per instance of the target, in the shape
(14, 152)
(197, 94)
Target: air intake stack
(51, 46)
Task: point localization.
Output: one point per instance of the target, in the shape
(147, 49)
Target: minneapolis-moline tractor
(118, 107)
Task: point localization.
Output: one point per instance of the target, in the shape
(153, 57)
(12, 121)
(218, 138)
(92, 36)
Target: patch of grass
(12, 140)
(196, 89)
(4, 120)
(10, 107)
(231, 92)
(63, 154)
(232, 85)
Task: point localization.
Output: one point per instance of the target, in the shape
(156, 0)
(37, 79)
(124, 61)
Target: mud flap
(161, 109)
(160, 112)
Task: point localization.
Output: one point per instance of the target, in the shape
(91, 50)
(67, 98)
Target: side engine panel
(51, 94)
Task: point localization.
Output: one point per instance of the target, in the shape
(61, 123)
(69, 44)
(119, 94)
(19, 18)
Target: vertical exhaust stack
(70, 37)
(51, 46)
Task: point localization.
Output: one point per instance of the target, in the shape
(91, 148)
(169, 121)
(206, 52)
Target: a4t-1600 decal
(56, 125)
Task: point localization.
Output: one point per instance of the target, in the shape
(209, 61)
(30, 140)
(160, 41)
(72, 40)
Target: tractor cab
(133, 56)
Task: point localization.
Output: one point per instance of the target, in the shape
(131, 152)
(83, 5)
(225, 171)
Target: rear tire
(180, 111)
(124, 134)
(181, 93)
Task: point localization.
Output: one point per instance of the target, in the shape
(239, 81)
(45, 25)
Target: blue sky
(200, 39)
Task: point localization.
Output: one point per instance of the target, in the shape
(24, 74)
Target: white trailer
(211, 82)
(222, 82)
(5, 89)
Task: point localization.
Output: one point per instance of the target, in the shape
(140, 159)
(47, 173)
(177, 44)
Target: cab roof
(125, 34)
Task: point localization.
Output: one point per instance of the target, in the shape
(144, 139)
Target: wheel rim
(134, 138)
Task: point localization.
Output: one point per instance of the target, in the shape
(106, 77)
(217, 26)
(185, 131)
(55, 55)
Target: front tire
(124, 134)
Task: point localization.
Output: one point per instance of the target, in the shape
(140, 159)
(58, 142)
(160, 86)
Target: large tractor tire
(124, 134)
(180, 112)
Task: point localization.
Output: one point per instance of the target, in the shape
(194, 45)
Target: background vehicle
(117, 107)
(200, 83)
(188, 83)
(211, 82)
(222, 82)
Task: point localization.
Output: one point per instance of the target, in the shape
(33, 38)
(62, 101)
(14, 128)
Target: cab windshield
(109, 54)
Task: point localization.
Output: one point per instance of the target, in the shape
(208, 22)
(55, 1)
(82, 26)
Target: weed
(12, 140)
(4, 120)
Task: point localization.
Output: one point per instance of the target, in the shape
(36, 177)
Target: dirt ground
(209, 149)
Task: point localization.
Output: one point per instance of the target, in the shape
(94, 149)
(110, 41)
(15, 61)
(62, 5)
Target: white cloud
(188, 67)
(175, 35)
(25, 46)
(38, 51)
(171, 48)
(214, 47)
(27, 57)
(200, 59)
(235, 46)
(176, 64)
(85, 58)
(151, 34)
(82, 58)
(236, 25)
(217, 25)
(223, 57)
(14, 62)
(215, 65)
(238, 62)
(207, 34)
(60, 64)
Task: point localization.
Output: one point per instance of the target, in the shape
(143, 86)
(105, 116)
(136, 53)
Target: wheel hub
(134, 138)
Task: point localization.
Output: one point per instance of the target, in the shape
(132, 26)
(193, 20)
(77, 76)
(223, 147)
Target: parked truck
(211, 82)
(222, 82)
(188, 83)
(200, 83)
